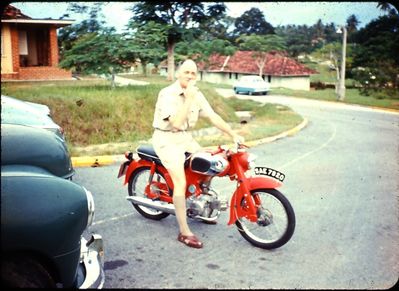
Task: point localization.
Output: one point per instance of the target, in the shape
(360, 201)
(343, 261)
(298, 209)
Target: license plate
(123, 168)
(269, 172)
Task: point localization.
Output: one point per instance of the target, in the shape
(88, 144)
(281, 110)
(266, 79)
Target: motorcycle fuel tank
(207, 164)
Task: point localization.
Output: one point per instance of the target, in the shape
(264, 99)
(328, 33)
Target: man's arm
(180, 117)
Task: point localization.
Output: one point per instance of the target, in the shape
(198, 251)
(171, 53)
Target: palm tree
(351, 23)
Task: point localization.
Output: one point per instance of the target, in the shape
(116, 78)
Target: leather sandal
(190, 240)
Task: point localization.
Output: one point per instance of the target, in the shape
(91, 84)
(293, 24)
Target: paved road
(342, 179)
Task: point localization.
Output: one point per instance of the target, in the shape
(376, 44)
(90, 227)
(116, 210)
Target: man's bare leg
(179, 200)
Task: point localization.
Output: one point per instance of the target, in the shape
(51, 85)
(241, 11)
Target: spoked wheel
(137, 186)
(276, 220)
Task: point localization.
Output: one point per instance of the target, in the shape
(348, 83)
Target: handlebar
(240, 145)
(237, 146)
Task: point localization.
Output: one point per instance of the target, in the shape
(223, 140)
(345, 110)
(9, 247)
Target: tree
(93, 24)
(178, 16)
(216, 23)
(298, 39)
(331, 34)
(377, 45)
(89, 46)
(201, 50)
(378, 40)
(352, 23)
(351, 26)
(97, 54)
(333, 51)
(252, 22)
(146, 42)
(261, 45)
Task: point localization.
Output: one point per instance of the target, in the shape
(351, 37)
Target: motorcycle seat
(147, 152)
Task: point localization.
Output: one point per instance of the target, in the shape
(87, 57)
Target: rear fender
(135, 164)
(236, 211)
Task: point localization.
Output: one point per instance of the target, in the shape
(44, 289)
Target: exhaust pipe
(160, 206)
(165, 207)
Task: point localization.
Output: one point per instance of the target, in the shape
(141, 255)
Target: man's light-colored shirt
(170, 100)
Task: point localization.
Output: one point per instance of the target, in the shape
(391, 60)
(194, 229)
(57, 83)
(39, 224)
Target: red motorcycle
(262, 214)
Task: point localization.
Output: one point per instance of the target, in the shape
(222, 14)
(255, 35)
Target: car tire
(25, 272)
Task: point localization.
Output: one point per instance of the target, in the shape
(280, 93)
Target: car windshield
(252, 79)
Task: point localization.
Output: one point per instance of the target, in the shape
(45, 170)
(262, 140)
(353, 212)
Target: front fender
(263, 182)
(43, 214)
(252, 184)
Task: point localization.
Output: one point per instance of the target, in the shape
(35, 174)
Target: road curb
(98, 161)
(92, 161)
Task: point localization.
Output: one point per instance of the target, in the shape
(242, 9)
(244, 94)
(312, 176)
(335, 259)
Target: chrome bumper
(92, 259)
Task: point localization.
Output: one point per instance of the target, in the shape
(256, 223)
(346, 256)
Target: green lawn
(352, 96)
(101, 120)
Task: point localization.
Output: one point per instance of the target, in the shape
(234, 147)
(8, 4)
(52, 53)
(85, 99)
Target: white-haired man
(178, 107)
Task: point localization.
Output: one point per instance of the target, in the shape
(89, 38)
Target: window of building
(22, 42)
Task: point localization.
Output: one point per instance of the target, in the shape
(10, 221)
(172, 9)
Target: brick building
(29, 47)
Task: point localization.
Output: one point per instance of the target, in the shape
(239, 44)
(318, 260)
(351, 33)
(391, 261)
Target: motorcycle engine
(204, 205)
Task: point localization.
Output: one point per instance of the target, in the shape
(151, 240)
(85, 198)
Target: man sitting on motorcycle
(178, 107)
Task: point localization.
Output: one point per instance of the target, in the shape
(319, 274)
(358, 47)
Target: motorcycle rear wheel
(136, 187)
(276, 220)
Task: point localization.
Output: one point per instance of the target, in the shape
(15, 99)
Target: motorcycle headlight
(90, 207)
(251, 161)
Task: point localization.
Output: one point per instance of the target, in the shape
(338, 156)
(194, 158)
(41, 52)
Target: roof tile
(276, 64)
(10, 12)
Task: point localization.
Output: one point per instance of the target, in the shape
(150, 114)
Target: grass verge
(100, 120)
(352, 96)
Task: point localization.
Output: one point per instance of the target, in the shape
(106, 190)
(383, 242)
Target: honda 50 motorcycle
(262, 214)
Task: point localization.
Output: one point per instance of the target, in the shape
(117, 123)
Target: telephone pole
(341, 85)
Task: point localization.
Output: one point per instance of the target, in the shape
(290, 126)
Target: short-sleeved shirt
(170, 143)
(170, 99)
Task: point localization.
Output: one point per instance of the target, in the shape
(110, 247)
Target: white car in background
(251, 85)
(15, 111)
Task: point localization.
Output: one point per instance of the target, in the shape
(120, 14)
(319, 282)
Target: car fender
(24, 145)
(43, 214)
(20, 189)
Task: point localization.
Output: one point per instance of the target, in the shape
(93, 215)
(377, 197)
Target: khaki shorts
(172, 146)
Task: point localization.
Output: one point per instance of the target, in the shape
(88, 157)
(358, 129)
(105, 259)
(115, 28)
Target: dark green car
(44, 215)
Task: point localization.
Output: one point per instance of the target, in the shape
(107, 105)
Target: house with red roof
(278, 69)
(29, 47)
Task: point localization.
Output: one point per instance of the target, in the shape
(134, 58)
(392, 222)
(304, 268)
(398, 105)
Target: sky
(276, 13)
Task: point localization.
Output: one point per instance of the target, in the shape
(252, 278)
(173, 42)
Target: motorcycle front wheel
(138, 182)
(276, 220)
